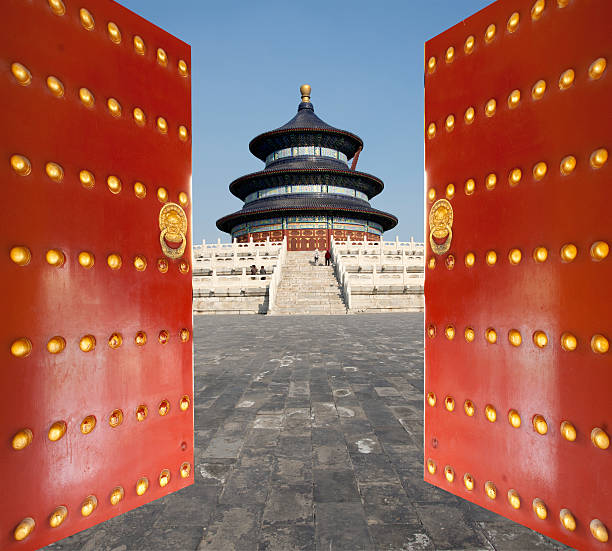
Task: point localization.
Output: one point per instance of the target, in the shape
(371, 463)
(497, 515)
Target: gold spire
(305, 91)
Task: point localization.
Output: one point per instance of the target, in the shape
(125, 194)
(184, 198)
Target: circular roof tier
(305, 129)
(307, 203)
(256, 181)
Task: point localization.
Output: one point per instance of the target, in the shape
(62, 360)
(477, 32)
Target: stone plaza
(308, 435)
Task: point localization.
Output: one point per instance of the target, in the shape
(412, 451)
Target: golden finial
(305, 91)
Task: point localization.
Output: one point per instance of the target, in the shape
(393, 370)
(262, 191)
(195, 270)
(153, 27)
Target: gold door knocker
(440, 226)
(173, 226)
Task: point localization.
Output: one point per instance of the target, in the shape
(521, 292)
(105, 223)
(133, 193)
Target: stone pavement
(308, 436)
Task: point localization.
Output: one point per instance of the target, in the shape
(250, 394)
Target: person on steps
(316, 257)
(327, 257)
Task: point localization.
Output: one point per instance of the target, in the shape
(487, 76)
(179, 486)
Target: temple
(307, 191)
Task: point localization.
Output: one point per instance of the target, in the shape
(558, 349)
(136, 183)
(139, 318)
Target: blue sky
(363, 59)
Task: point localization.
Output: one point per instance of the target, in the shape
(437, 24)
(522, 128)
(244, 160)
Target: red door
(518, 412)
(96, 267)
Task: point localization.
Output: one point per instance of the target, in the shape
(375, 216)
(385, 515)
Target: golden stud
(538, 89)
(539, 424)
(139, 117)
(450, 262)
(598, 530)
(140, 263)
(491, 181)
(162, 125)
(21, 73)
(468, 45)
(182, 68)
(450, 54)
(55, 172)
(568, 431)
(86, 259)
(183, 198)
(449, 473)
(563, 3)
(491, 258)
(88, 424)
(22, 439)
(567, 519)
(24, 529)
(468, 481)
(568, 252)
(57, 7)
(490, 33)
(469, 408)
(449, 403)
(599, 157)
(114, 261)
(515, 256)
(115, 340)
(183, 133)
(539, 508)
(539, 170)
(163, 336)
(164, 407)
(470, 259)
(431, 64)
(141, 413)
(469, 334)
(141, 338)
(491, 335)
(490, 490)
(599, 250)
(140, 190)
(113, 32)
(87, 179)
(142, 486)
(184, 403)
(185, 470)
(470, 186)
(450, 123)
(599, 344)
(21, 165)
(490, 413)
(513, 22)
(139, 45)
(55, 86)
(431, 466)
(114, 184)
(568, 342)
(566, 79)
(162, 265)
(514, 99)
(432, 263)
(514, 499)
(540, 339)
(58, 516)
(55, 257)
(162, 57)
(115, 418)
(89, 505)
(514, 337)
(164, 478)
(162, 194)
(514, 418)
(490, 107)
(56, 431)
(597, 68)
(537, 9)
(431, 331)
(540, 254)
(431, 399)
(184, 334)
(431, 194)
(87, 19)
(114, 107)
(431, 130)
(449, 332)
(56, 345)
(469, 114)
(515, 176)
(87, 343)
(568, 164)
(20, 255)
(116, 495)
(86, 97)
(21, 348)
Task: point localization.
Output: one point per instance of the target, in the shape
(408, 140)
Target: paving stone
(295, 537)
(331, 485)
(374, 468)
(401, 537)
(342, 526)
(517, 539)
(290, 503)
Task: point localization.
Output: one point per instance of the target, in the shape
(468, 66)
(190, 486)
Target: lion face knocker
(440, 226)
(173, 227)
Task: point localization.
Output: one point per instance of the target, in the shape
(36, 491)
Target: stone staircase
(306, 288)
